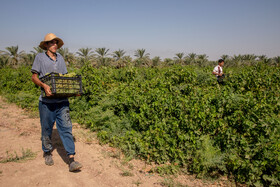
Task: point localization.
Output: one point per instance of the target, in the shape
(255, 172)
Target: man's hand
(47, 90)
(37, 81)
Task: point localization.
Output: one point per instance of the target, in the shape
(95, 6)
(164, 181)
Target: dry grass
(25, 155)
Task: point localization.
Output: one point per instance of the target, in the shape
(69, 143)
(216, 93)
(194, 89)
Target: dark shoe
(48, 159)
(74, 166)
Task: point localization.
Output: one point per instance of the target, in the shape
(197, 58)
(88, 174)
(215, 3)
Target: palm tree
(156, 61)
(202, 59)
(86, 53)
(168, 61)
(37, 50)
(276, 60)
(237, 59)
(179, 58)
(267, 60)
(29, 58)
(249, 58)
(225, 57)
(140, 53)
(68, 57)
(4, 60)
(102, 53)
(14, 55)
(142, 58)
(63, 52)
(262, 57)
(191, 58)
(118, 56)
(128, 60)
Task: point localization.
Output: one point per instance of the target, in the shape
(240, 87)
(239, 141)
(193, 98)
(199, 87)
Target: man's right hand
(37, 81)
(47, 90)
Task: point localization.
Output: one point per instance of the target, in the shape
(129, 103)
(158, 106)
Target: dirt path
(103, 165)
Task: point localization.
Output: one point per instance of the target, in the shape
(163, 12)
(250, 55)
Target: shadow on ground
(58, 145)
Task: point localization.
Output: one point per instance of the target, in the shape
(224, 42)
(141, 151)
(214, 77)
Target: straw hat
(50, 37)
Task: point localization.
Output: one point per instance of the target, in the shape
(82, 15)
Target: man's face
(222, 63)
(52, 46)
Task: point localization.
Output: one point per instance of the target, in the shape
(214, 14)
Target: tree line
(102, 57)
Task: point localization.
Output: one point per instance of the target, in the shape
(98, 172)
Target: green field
(178, 115)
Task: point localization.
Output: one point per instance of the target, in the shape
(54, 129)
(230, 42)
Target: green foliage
(169, 169)
(208, 159)
(179, 114)
(17, 87)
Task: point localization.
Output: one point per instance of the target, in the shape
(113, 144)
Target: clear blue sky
(162, 27)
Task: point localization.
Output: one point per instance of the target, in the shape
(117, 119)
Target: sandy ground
(103, 165)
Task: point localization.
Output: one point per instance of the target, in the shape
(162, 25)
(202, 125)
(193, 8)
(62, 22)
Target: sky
(161, 27)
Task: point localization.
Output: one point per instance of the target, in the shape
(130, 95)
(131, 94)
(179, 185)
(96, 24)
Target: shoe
(48, 158)
(74, 166)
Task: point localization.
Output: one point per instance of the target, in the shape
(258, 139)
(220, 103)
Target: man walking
(53, 109)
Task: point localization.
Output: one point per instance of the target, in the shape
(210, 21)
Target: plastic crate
(62, 86)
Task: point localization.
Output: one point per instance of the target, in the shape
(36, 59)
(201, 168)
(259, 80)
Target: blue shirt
(42, 65)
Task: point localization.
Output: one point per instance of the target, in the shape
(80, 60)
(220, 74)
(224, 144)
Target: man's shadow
(58, 145)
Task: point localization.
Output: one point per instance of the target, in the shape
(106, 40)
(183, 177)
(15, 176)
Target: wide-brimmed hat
(50, 37)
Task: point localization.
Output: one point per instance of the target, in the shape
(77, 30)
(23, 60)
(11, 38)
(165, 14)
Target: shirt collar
(50, 57)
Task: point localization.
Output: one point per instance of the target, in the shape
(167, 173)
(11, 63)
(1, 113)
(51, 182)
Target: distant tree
(202, 59)
(168, 62)
(156, 61)
(4, 60)
(28, 59)
(276, 61)
(86, 53)
(142, 57)
(14, 55)
(249, 59)
(118, 57)
(225, 57)
(37, 50)
(68, 57)
(102, 53)
(63, 51)
(262, 57)
(119, 54)
(237, 60)
(128, 61)
(191, 58)
(179, 58)
(140, 53)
